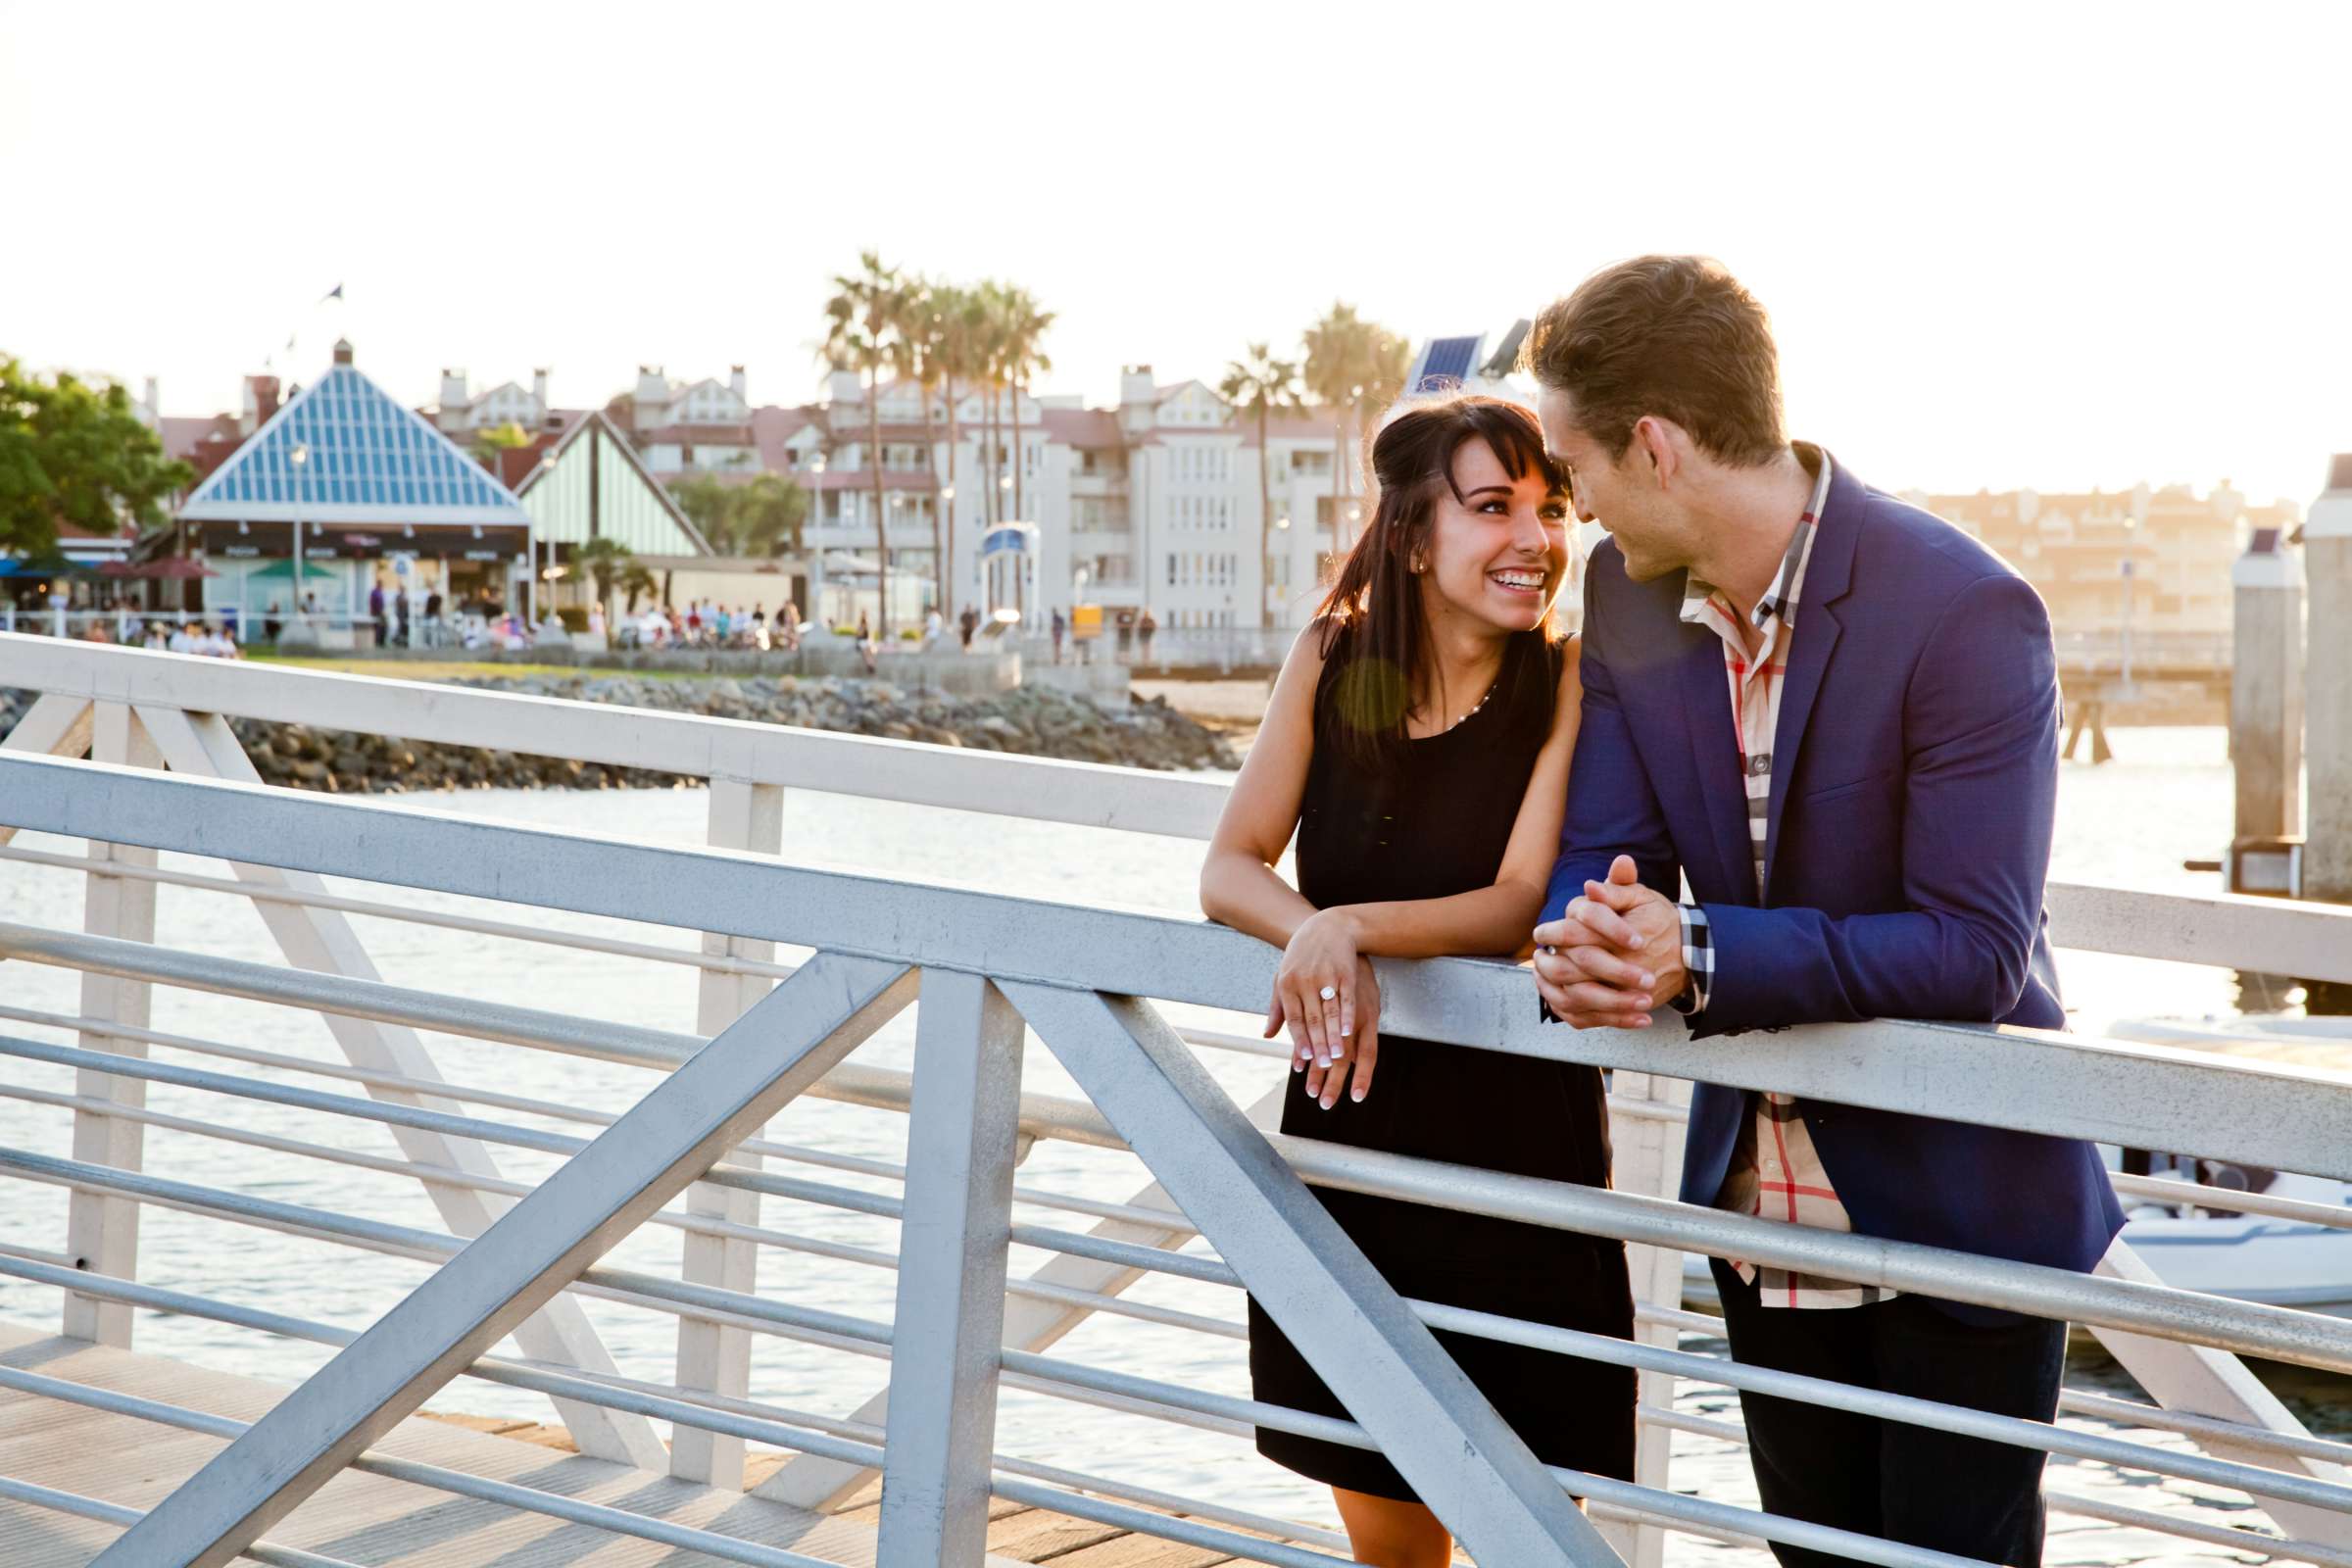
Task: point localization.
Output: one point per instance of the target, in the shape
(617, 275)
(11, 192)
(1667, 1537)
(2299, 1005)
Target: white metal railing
(997, 962)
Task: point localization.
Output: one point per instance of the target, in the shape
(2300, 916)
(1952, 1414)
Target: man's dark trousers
(1885, 1477)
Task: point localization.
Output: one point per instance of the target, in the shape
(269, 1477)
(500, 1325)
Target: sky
(2049, 245)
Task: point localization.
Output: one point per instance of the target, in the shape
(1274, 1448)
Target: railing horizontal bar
(437, 1478)
(768, 1422)
(2130, 1413)
(2138, 1095)
(590, 1387)
(1668, 1317)
(1929, 1413)
(2244, 1327)
(2197, 1194)
(1698, 1425)
(2242, 933)
(1597, 1489)
(2238, 1537)
(444, 1089)
(999, 784)
(2231, 931)
(372, 908)
(703, 1224)
(103, 1512)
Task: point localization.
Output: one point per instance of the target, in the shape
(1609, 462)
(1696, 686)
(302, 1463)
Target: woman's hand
(1323, 1084)
(1315, 990)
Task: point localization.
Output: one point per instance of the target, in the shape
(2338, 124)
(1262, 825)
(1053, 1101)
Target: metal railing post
(712, 1358)
(102, 1234)
(962, 1130)
(1650, 1160)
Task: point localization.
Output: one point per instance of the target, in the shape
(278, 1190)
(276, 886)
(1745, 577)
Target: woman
(1418, 741)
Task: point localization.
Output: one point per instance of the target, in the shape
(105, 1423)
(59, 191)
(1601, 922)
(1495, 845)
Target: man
(1837, 717)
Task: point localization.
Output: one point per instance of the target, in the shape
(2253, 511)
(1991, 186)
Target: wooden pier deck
(389, 1524)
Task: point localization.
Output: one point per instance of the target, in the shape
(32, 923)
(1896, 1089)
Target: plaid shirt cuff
(1699, 958)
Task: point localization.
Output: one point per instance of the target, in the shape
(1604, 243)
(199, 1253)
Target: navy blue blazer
(1915, 775)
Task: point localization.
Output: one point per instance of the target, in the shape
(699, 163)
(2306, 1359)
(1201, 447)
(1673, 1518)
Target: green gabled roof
(592, 485)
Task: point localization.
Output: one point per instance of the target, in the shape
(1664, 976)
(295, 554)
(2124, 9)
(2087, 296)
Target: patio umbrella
(283, 571)
(179, 566)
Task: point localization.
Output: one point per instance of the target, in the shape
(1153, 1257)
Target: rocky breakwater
(1029, 721)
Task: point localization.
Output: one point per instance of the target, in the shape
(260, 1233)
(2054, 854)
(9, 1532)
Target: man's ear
(1653, 437)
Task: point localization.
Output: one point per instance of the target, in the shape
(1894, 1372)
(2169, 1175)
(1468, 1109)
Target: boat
(2249, 1257)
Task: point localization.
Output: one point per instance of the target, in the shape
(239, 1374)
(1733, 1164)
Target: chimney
(259, 403)
(342, 351)
(737, 385)
(154, 398)
(539, 388)
(1137, 398)
(450, 411)
(844, 386)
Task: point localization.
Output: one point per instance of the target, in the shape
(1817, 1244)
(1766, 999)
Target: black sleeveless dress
(1438, 827)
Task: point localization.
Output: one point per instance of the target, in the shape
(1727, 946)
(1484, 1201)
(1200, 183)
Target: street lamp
(298, 454)
(530, 545)
(816, 557)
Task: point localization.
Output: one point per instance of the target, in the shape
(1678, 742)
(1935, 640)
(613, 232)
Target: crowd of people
(705, 623)
(210, 639)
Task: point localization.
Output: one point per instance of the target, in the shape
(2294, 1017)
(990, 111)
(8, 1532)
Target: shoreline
(1029, 721)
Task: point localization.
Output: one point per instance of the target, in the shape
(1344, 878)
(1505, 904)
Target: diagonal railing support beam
(323, 941)
(1381, 1362)
(673, 1135)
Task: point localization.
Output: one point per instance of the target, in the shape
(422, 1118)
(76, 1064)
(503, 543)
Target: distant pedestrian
(1061, 629)
(967, 624)
(934, 627)
(596, 623)
(868, 649)
(399, 603)
(375, 612)
(787, 628)
(1144, 629)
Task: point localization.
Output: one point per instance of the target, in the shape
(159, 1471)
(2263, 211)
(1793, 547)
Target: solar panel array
(1445, 363)
(366, 450)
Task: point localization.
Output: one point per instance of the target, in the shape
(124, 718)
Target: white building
(462, 410)
(1155, 504)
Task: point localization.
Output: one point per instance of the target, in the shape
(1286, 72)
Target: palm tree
(923, 330)
(990, 345)
(962, 317)
(860, 330)
(1355, 368)
(1265, 387)
(604, 559)
(1025, 328)
(635, 581)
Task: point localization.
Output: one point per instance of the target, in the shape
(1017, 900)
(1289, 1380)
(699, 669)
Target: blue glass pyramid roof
(371, 461)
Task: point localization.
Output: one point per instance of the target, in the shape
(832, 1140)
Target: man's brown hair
(1675, 336)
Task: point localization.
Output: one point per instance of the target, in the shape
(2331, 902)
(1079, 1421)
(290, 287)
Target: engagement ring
(1330, 993)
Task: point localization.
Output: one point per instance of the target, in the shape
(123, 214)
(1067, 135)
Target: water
(2131, 823)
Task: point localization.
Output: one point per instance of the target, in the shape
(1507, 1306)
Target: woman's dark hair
(1375, 637)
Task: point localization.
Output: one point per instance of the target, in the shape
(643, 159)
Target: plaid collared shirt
(1776, 1173)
